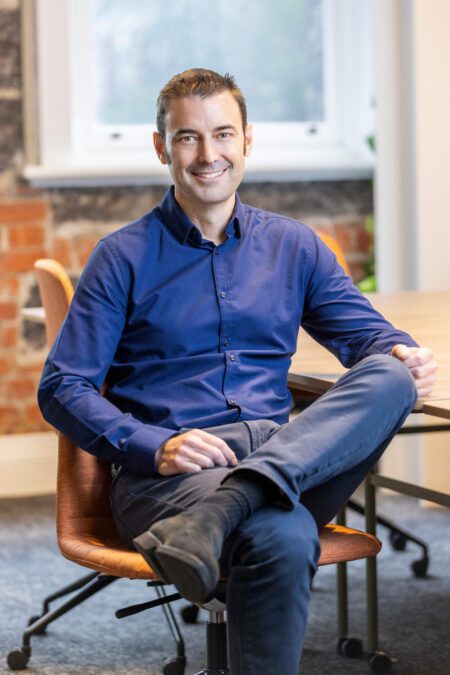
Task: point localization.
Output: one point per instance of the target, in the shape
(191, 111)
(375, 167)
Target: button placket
(223, 297)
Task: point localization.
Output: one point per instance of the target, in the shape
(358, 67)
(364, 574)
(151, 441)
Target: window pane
(274, 49)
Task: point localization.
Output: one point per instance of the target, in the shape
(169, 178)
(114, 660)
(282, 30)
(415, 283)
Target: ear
(160, 148)
(248, 134)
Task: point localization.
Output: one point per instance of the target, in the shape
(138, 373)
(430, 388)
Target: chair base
(398, 539)
(91, 584)
(88, 586)
(216, 645)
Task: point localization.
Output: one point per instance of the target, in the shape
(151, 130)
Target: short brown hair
(196, 82)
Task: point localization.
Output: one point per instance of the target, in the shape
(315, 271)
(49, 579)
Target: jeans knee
(281, 540)
(394, 378)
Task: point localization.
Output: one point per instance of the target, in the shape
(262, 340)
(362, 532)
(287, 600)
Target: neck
(211, 219)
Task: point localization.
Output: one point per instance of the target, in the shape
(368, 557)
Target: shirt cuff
(140, 448)
(386, 348)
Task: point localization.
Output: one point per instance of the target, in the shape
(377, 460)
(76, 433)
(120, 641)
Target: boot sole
(193, 579)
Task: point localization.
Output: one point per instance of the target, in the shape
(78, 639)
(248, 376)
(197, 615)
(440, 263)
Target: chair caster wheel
(350, 647)
(174, 666)
(397, 541)
(34, 618)
(380, 663)
(420, 567)
(18, 659)
(189, 613)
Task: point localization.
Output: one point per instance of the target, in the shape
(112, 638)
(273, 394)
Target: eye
(225, 134)
(187, 139)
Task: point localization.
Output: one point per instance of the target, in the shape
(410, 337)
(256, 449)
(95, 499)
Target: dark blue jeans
(317, 461)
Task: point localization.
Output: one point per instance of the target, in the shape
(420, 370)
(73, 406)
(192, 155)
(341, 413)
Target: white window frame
(74, 151)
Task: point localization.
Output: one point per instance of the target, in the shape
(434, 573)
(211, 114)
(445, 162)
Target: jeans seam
(251, 431)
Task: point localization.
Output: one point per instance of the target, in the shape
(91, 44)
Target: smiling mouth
(209, 175)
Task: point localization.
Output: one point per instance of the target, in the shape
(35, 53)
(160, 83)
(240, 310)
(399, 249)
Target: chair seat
(110, 556)
(341, 544)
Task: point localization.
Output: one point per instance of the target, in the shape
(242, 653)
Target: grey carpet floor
(414, 613)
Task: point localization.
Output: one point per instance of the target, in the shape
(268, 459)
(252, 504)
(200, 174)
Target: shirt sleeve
(339, 317)
(77, 365)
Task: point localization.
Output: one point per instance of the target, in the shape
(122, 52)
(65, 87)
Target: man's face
(205, 146)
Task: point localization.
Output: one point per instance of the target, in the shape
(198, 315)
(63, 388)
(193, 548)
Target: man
(189, 316)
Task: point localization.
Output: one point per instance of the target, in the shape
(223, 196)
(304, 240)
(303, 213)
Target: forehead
(197, 112)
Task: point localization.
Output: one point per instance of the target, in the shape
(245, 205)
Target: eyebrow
(184, 131)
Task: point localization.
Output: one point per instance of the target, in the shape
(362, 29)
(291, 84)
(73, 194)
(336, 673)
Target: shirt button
(122, 442)
(223, 294)
(226, 343)
(232, 357)
(216, 251)
(233, 402)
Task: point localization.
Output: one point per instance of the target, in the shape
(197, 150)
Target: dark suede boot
(184, 550)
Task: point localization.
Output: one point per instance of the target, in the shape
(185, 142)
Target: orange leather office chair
(87, 535)
(337, 249)
(56, 292)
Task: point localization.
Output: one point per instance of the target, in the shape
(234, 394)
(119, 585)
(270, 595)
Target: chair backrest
(56, 292)
(83, 482)
(334, 245)
(83, 506)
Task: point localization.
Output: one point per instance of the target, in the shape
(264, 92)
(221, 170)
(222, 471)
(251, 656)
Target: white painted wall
(432, 134)
(394, 167)
(28, 464)
(412, 185)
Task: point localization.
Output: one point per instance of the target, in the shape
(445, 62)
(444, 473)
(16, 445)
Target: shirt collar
(185, 230)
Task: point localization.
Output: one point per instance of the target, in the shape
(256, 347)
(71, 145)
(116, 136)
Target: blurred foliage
(369, 283)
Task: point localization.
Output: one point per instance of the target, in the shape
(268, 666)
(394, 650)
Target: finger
(424, 385)
(419, 357)
(179, 466)
(198, 457)
(218, 444)
(424, 391)
(400, 352)
(214, 454)
(426, 381)
(213, 440)
(224, 448)
(421, 372)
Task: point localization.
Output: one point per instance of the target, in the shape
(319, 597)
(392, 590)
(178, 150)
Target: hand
(193, 451)
(421, 364)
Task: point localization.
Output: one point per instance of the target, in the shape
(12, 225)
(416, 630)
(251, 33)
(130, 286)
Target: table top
(423, 314)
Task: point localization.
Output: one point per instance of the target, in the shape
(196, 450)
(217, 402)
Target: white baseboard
(28, 464)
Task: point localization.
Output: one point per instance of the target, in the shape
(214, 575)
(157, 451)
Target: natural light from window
(139, 46)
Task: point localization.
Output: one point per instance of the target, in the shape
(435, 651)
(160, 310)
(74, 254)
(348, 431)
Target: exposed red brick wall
(23, 228)
(27, 233)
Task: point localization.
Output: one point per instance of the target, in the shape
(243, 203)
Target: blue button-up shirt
(184, 333)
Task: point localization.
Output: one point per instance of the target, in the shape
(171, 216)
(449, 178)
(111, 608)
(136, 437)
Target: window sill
(284, 166)
(146, 174)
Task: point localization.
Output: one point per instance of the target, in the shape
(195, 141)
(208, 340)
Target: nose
(206, 151)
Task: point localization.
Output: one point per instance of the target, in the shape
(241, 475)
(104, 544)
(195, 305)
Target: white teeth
(214, 174)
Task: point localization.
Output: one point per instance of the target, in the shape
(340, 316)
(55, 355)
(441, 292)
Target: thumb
(400, 352)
